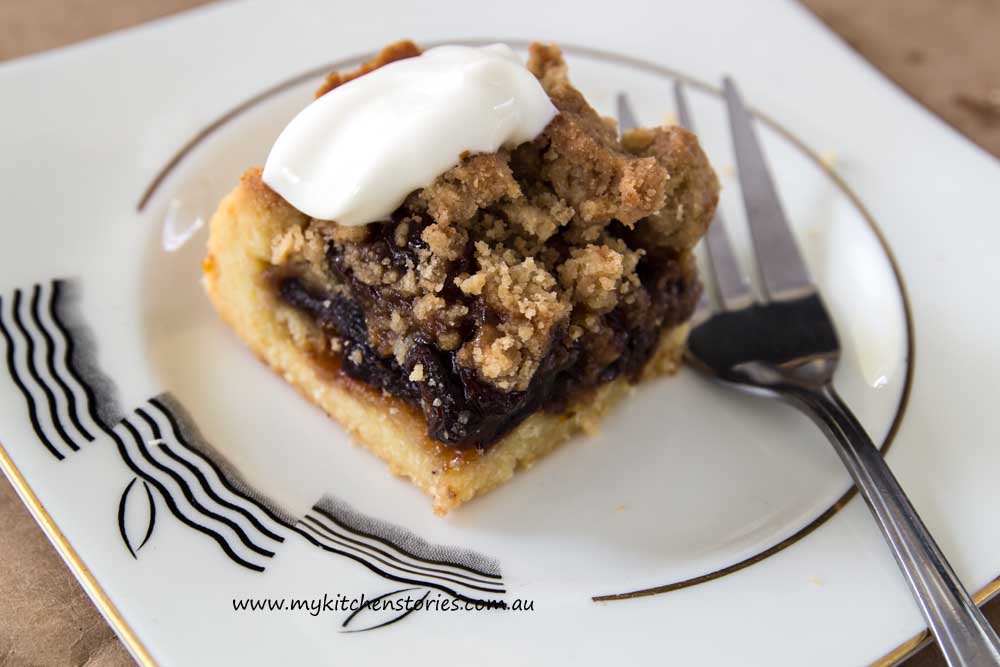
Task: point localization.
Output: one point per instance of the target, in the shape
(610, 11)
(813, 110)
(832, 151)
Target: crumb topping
(391, 53)
(507, 352)
(558, 246)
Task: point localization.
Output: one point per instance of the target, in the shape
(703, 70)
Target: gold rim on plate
(76, 565)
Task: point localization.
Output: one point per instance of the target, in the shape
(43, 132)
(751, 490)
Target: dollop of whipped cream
(354, 154)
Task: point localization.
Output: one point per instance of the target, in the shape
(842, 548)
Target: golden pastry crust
(240, 250)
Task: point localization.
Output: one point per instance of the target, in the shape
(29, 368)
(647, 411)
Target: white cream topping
(354, 154)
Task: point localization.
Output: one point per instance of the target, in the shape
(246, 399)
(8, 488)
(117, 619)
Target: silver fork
(786, 347)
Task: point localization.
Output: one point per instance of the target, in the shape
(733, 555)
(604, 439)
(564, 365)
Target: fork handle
(962, 632)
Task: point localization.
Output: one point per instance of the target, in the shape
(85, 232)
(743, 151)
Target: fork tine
(626, 122)
(680, 101)
(626, 117)
(733, 292)
(782, 268)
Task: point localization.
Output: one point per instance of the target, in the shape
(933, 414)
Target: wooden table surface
(945, 53)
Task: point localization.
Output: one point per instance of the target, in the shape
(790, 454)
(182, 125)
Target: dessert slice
(499, 306)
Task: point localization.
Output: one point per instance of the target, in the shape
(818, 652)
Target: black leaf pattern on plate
(367, 617)
(122, 512)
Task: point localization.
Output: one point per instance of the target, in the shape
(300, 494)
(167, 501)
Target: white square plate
(177, 476)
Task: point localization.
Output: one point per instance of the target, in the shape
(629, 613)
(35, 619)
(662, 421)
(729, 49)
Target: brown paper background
(945, 53)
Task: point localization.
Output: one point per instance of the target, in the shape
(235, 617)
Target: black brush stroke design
(81, 354)
(392, 562)
(323, 534)
(122, 504)
(29, 399)
(187, 435)
(50, 360)
(368, 605)
(51, 394)
(405, 541)
(388, 575)
(207, 487)
(50, 397)
(186, 490)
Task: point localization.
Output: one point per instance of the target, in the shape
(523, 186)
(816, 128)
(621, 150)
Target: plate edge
(76, 565)
(910, 647)
(138, 650)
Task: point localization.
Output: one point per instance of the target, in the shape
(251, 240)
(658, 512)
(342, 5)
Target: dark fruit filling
(462, 410)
